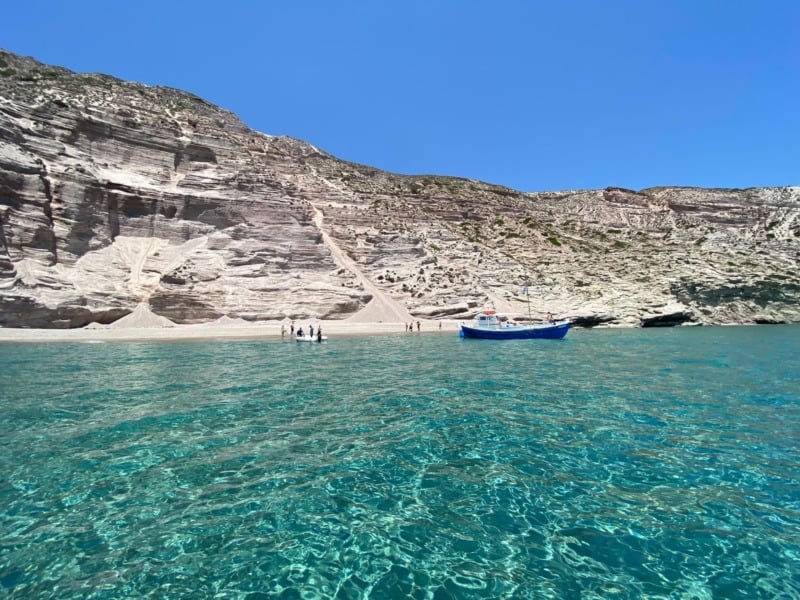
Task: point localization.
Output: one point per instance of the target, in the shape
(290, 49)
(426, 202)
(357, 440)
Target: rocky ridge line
(114, 194)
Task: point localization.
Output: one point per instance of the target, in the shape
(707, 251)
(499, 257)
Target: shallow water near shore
(611, 464)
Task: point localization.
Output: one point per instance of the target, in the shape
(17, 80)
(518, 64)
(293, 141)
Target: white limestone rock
(116, 196)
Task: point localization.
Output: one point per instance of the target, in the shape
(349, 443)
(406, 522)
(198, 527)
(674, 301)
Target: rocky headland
(116, 195)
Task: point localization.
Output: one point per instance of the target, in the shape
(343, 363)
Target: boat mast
(528, 297)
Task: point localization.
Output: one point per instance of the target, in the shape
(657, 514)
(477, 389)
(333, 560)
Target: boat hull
(547, 331)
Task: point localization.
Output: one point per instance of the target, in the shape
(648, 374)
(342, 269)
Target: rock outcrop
(115, 195)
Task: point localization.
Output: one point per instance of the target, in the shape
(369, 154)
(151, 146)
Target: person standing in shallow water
(291, 328)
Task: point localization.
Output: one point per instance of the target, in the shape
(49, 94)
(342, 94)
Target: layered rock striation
(115, 194)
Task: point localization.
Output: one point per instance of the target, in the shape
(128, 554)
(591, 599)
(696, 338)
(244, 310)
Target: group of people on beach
(410, 327)
(317, 331)
(300, 332)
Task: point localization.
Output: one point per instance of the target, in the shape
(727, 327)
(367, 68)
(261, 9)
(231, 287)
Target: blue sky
(535, 95)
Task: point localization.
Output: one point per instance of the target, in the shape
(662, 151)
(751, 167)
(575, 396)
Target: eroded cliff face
(114, 193)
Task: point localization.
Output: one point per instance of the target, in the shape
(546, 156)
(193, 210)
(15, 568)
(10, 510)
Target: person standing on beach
(418, 326)
(283, 330)
(291, 328)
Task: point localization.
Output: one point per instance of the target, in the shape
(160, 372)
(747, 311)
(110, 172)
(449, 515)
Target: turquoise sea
(612, 464)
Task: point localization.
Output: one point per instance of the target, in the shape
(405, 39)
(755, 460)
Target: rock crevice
(116, 195)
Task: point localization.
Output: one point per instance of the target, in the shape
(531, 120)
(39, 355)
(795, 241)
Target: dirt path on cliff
(134, 251)
(381, 308)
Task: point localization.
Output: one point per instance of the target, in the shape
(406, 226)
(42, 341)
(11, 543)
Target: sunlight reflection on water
(609, 464)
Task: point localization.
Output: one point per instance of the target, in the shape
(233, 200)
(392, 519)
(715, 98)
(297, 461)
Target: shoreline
(215, 331)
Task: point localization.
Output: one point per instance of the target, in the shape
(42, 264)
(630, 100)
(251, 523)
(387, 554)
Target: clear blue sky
(535, 95)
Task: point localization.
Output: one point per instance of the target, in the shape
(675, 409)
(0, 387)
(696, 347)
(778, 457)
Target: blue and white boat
(488, 326)
(311, 338)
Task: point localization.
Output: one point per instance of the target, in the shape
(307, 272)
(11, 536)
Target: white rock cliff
(116, 194)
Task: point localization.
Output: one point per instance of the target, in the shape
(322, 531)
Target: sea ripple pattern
(611, 464)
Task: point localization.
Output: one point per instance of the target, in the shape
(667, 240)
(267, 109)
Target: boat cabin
(487, 318)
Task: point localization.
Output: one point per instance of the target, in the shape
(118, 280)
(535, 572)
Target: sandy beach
(143, 325)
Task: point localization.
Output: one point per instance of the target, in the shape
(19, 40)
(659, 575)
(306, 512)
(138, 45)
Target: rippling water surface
(612, 464)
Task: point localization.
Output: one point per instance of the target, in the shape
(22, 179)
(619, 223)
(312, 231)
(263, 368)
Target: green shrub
(554, 240)
(48, 73)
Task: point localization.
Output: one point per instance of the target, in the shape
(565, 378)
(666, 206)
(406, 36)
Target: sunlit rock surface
(116, 194)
